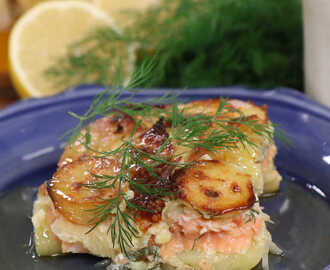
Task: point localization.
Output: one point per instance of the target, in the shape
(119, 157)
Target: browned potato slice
(250, 109)
(107, 133)
(208, 107)
(71, 198)
(214, 188)
(153, 138)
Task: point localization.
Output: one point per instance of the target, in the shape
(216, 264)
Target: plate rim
(279, 96)
(282, 96)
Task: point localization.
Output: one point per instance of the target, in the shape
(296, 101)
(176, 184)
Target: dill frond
(225, 42)
(210, 132)
(97, 59)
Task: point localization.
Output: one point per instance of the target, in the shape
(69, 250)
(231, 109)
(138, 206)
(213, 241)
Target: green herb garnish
(255, 43)
(252, 213)
(191, 131)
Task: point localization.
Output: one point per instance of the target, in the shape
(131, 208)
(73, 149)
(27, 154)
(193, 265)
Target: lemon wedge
(43, 34)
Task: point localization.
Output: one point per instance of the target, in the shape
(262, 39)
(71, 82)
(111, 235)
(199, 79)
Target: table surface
(7, 96)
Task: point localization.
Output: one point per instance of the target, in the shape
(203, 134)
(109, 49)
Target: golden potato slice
(68, 193)
(153, 138)
(46, 242)
(250, 109)
(215, 188)
(208, 106)
(233, 109)
(107, 133)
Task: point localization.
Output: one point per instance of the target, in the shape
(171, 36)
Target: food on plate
(256, 160)
(154, 186)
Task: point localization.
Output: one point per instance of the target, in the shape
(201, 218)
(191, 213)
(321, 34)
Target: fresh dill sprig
(210, 132)
(144, 253)
(112, 98)
(252, 214)
(213, 132)
(123, 228)
(225, 42)
(94, 59)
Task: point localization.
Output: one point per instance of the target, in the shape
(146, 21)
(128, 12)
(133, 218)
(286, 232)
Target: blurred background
(195, 43)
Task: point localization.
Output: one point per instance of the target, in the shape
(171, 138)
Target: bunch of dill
(203, 43)
(223, 42)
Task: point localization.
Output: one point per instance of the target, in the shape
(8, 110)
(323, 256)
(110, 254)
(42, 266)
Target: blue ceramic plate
(30, 148)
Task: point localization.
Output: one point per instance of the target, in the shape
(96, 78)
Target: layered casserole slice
(172, 187)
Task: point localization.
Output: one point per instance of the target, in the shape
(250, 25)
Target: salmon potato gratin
(132, 190)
